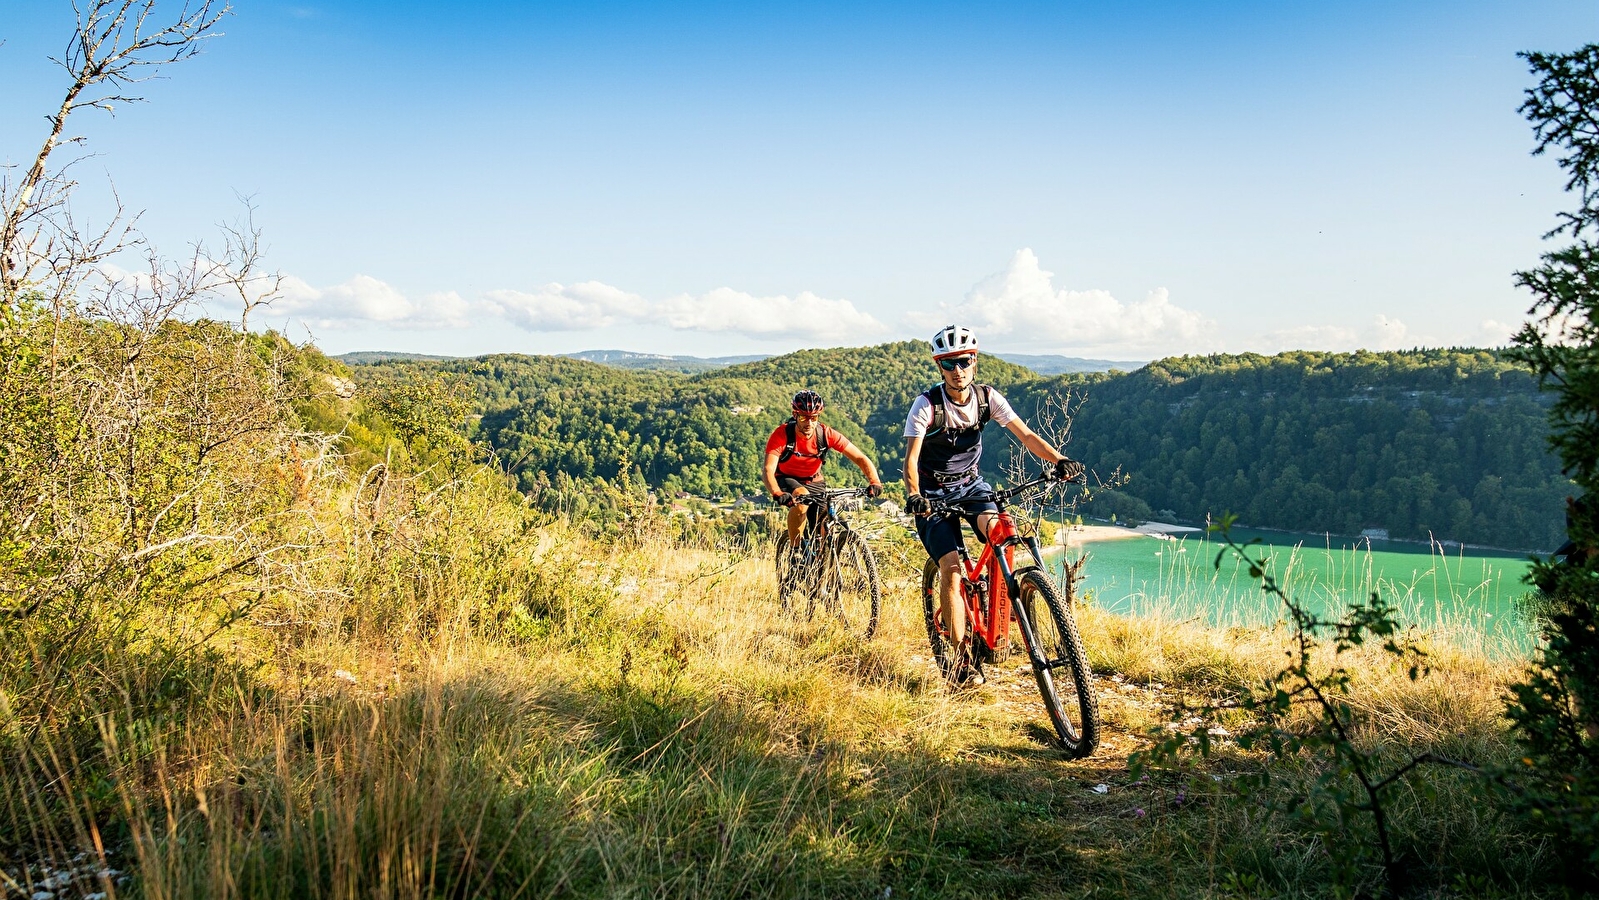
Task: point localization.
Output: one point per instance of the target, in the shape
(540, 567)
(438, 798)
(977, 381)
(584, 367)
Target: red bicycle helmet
(808, 402)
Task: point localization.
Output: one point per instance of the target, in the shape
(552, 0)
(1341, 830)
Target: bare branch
(239, 274)
(116, 44)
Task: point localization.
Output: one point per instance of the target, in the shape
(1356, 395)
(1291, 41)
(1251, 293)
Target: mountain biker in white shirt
(943, 448)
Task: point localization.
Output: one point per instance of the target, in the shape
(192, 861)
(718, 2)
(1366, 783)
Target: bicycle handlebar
(827, 494)
(1047, 479)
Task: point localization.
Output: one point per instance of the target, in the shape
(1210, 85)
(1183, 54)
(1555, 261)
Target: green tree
(1556, 710)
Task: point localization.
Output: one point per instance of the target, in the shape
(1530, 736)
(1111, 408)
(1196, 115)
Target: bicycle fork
(1024, 616)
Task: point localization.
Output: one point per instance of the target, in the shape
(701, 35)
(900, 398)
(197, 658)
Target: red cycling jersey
(807, 459)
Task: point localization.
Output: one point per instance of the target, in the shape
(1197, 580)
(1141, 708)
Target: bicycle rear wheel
(853, 593)
(1064, 679)
(937, 631)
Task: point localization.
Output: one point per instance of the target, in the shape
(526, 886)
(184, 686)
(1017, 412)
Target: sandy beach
(1073, 535)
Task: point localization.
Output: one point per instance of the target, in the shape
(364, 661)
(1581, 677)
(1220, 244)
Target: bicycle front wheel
(1061, 665)
(788, 574)
(854, 595)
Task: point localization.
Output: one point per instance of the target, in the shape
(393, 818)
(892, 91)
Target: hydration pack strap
(788, 449)
(935, 397)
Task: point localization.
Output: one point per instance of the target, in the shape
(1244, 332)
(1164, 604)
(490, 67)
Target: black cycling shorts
(941, 534)
(788, 483)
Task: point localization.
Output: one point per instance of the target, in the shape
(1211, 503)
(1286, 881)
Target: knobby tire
(852, 591)
(1068, 690)
(937, 638)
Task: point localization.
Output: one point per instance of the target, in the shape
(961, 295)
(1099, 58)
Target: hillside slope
(1441, 443)
(268, 639)
(1446, 443)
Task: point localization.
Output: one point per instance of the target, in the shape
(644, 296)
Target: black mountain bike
(832, 571)
(997, 587)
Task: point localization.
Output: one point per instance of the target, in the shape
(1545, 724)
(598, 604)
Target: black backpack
(821, 443)
(935, 396)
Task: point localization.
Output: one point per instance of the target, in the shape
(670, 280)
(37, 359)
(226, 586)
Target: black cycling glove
(785, 498)
(874, 490)
(1068, 469)
(917, 505)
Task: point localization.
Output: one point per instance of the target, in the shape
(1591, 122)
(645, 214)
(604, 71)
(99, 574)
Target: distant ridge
(1450, 443)
(366, 357)
(1050, 364)
(1043, 364)
(627, 359)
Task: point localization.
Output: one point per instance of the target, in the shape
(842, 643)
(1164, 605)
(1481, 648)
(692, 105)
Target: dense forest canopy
(1447, 443)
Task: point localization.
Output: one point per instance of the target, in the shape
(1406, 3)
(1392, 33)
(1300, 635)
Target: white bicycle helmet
(953, 339)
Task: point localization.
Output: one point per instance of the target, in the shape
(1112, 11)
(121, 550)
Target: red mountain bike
(996, 590)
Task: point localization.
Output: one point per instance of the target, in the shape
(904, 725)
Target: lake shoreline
(1102, 532)
(1077, 535)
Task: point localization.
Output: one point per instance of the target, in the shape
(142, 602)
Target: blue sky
(1124, 181)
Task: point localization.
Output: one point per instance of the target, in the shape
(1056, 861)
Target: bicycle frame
(977, 577)
(814, 539)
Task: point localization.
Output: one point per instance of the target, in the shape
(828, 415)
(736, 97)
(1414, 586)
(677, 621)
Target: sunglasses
(959, 362)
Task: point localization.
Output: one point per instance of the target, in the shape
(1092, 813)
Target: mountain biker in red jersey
(795, 454)
(943, 446)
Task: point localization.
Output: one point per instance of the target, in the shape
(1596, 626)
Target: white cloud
(364, 299)
(593, 304)
(1381, 333)
(556, 307)
(1022, 304)
(804, 316)
(1308, 337)
(1389, 334)
(1493, 333)
(110, 276)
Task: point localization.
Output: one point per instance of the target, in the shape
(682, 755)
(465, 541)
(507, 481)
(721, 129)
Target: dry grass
(659, 731)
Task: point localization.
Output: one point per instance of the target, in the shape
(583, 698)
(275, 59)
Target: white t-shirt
(957, 416)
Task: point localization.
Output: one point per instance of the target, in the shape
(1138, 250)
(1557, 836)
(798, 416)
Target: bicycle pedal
(981, 652)
(968, 680)
(965, 671)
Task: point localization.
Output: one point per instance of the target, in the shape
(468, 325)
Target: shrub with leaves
(1556, 709)
(1303, 715)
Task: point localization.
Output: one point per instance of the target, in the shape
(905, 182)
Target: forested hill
(1443, 442)
(699, 433)
(1446, 442)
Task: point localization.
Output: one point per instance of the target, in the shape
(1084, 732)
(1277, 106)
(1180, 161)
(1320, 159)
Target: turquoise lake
(1469, 597)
